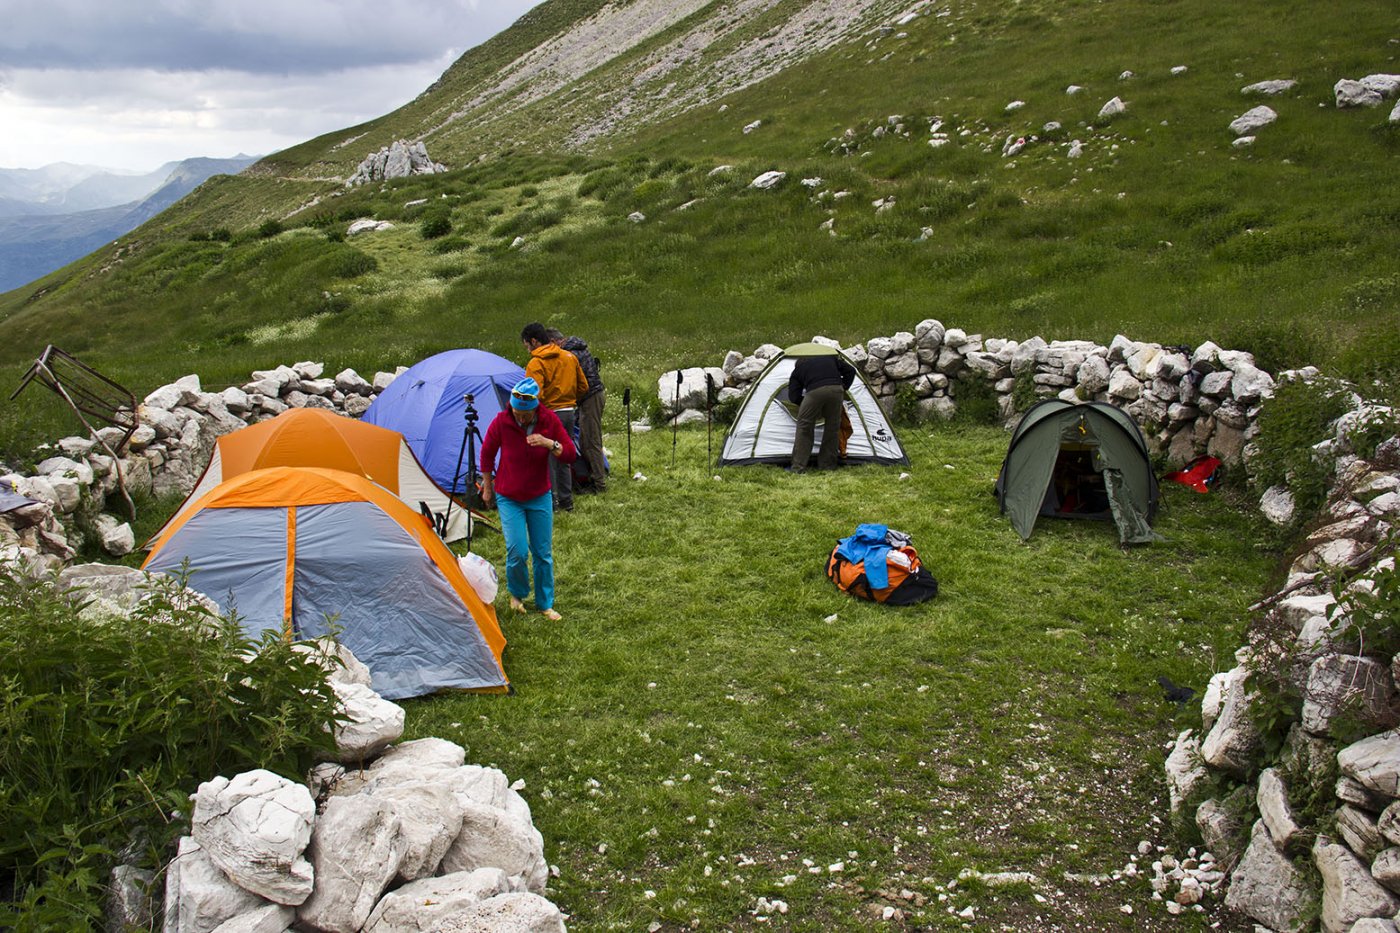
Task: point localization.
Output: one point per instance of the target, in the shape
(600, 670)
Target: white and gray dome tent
(766, 425)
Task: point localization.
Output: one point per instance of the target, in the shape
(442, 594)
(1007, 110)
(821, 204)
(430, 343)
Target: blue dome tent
(426, 406)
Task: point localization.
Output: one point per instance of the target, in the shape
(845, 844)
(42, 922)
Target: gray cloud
(252, 36)
(134, 83)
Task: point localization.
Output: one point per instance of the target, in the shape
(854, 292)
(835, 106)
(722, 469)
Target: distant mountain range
(53, 215)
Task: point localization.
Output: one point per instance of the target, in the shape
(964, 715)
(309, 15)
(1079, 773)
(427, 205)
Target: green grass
(735, 729)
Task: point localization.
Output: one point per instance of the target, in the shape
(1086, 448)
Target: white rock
(1276, 810)
(1073, 89)
(636, 217)
(430, 819)
(367, 225)
(1186, 771)
(1277, 505)
(255, 827)
(352, 383)
(517, 912)
(750, 127)
(1113, 108)
(1349, 892)
(65, 467)
(115, 535)
(425, 906)
(1350, 93)
(198, 896)
(1374, 762)
(1350, 690)
(1252, 120)
(356, 850)
(493, 838)
(1234, 740)
(270, 918)
(1243, 142)
(1271, 88)
(1266, 886)
(1178, 69)
(1014, 106)
(371, 722)
(767, 179)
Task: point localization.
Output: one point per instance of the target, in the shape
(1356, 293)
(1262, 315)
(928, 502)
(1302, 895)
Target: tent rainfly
(765, 426)
(426, 405)
(300, 551)
(1079, 461)
(314, 437)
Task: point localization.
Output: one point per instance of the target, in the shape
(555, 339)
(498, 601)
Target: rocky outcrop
(399, 160)
(411, 840)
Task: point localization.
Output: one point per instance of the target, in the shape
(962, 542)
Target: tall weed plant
(106, 726)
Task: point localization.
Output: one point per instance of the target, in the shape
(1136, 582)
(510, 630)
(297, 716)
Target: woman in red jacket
(525, 437)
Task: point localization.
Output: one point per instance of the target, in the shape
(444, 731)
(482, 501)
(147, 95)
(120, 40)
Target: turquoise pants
(529, 529)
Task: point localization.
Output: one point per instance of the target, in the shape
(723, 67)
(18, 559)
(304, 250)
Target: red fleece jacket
(523, 472)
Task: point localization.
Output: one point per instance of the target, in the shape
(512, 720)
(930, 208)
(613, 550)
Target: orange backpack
(907, 585)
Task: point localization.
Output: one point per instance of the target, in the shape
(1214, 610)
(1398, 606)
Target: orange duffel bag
(909, 582)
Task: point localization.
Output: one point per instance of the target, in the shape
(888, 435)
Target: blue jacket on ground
(869, 544)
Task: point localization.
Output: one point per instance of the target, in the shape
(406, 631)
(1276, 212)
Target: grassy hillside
(1161, 229)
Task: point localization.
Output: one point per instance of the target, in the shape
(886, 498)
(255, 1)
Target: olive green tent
(1079, 461)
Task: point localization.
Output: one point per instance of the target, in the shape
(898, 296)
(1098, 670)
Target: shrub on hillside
(449, 244)
(107, 725)
(436, 223)
(346, 262)
(270, 228)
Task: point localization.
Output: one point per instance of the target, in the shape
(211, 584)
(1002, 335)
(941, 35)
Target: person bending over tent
(529, 438)
(818, 387)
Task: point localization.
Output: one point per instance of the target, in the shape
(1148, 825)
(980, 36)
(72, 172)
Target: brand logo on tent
(881, 433)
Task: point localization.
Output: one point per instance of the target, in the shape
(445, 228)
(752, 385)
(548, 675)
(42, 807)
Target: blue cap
(525, 395)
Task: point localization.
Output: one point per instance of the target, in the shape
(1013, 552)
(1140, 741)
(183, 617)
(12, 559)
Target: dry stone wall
(75, 479)
(1188, 401)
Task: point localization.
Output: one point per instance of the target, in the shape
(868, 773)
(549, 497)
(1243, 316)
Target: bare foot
(517, 606)
(551, 615)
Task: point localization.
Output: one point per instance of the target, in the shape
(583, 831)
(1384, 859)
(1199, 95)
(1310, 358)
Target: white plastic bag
(481, 574)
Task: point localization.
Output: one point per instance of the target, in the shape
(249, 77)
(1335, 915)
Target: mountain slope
(1160, 227)
(36, 243)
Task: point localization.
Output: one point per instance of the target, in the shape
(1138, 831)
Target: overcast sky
(132, 84)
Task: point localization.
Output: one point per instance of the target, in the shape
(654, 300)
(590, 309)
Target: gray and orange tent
(301, 550)
(314, 437)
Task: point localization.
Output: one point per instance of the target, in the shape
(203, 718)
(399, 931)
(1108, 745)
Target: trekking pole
(627, 409)
(709, 418)
(675, 418)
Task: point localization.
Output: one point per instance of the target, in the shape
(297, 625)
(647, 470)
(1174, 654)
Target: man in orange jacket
(562, 383)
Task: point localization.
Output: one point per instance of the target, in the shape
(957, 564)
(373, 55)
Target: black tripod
(468, 448)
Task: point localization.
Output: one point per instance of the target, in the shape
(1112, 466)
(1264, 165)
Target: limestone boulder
(1266, 887)
(1359, 832)
(1276, 810)
(685, 388)
(493, 838)
(1234, 741)
(256, 827)
(356, 851)
(1349, 692)
(115, 535)
(520, 912)
(430, 819)
(1186, 771)
(1253, 120)
(1349, 892)
(1277, 505)
(1222, 827)
(269, 918)
(1389, 823)
(370, 725)
(1386, 869)
(198, 896)
(424, 906)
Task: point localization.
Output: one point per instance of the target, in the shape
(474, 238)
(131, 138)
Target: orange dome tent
(314, 437)
(302, 550)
